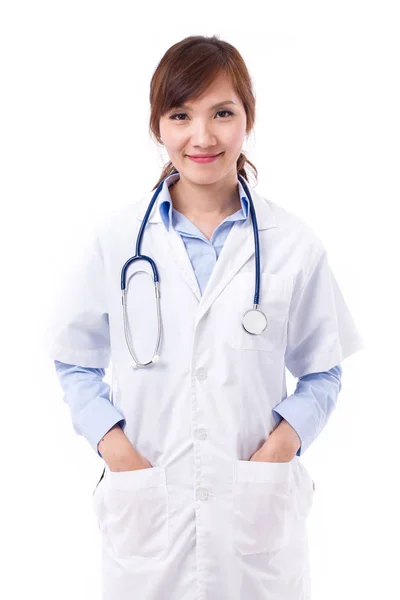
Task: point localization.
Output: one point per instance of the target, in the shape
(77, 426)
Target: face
(201, 127)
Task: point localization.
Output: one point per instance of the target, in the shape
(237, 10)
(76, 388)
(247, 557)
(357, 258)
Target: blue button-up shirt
(307, 410)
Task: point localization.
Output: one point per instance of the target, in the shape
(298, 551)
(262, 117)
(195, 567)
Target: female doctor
(201, 293)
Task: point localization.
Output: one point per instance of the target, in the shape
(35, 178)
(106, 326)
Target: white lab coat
(204, 523)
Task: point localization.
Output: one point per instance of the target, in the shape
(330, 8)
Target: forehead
(220, 92)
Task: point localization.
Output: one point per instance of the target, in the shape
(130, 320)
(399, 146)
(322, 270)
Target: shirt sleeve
(87, 397)
(308, 409)
(321, 331)
(78, 328)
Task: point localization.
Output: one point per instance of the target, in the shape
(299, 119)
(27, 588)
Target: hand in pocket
(132, 462)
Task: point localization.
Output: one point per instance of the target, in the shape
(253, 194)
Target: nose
(202, 134)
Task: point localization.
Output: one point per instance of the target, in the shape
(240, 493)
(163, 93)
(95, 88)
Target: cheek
(174, 143)
(170, 136)
(233, 139)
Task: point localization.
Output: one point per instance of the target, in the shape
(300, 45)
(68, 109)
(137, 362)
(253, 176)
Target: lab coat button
(201, 374)
(201, 434)
(202, 494)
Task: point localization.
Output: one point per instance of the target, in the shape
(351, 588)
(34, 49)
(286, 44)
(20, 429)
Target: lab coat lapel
(169, 244)
(177, 250)
(236, 251)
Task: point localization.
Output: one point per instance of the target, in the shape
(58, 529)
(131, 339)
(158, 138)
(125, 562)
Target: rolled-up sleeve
(308, 409)
(88, 399)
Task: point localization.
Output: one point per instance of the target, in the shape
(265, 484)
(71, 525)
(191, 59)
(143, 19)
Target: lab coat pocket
(136, 505)
(263, 512)
(96, 499)
(274, 301)
(304, 488)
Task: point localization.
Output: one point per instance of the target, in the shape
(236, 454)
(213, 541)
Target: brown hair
(185, 71)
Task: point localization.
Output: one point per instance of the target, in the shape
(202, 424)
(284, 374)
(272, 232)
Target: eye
(177, 115)
(228, 112)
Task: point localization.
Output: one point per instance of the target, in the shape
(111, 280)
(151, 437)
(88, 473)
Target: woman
(204, 495)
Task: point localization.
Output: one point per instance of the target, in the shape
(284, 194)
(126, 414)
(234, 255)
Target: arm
(87, 397)
(321, 332)
(78, 334)
(302, 416)
(95, 417)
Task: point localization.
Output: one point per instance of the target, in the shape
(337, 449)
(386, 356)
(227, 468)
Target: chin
(202, 178)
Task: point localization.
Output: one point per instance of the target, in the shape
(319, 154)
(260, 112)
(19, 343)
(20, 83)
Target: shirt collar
(170, 216)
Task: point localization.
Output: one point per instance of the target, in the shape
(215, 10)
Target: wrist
(286, 437)
(114, 445)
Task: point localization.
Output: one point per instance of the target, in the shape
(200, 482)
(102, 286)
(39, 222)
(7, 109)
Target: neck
(206, 201)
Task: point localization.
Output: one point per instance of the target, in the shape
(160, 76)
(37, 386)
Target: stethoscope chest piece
(254, 321)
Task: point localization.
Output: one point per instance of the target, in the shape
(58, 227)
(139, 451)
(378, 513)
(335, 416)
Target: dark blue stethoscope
(254, 320)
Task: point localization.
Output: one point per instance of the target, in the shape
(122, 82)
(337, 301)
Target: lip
(205, 159)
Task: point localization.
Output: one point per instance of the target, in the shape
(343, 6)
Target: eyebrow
(214, 106)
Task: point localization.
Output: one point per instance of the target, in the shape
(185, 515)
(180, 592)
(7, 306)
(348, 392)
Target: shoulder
(295, 228)
(296, 245)
(116, 221)
(295, 232)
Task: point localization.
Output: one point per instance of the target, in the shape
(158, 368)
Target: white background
(74, 144)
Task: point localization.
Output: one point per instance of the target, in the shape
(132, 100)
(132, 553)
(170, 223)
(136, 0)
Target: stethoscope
(254, 320)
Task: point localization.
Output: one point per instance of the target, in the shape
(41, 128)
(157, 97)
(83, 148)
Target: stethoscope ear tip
(133, 364)
(156, 358)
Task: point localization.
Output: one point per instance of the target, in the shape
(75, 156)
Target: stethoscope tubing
(139, 256)
(249, 315)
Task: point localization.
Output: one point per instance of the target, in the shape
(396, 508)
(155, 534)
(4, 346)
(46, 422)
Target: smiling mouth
(204, 155)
